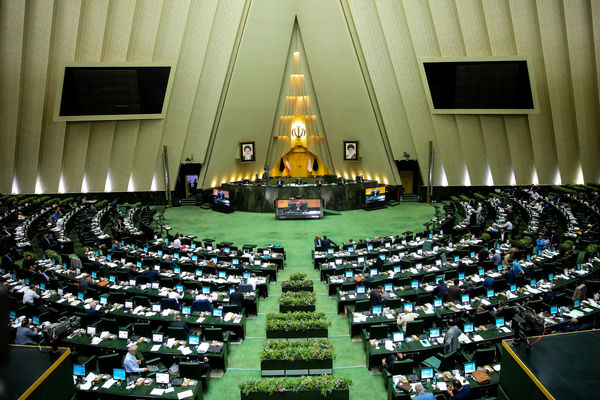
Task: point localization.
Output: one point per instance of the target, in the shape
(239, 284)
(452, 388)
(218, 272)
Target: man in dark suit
(178, 323)
(150, 274)
(84, 283)
(45, 242)
(7, 262)
(389, 360)
(326, 243)
(376, 296)
(93, 315)
(237, 297)
(453, 292)
(317, 241)
(440, 290)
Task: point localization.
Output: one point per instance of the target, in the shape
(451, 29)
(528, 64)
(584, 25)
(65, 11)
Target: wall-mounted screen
(299, 209)
(491, 85)
(108, 91)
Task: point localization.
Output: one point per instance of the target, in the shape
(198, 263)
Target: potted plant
(591, 251)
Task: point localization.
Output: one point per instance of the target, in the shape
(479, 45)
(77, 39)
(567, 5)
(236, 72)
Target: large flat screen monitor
(114, 91)
(299, 209)
(478, 85)
(375, 195)
(221, 197)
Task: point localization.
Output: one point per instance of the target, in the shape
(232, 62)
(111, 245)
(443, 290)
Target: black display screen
(113, 90)
(479, 85)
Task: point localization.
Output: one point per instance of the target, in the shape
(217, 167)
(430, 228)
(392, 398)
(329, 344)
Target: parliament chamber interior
(299, 199)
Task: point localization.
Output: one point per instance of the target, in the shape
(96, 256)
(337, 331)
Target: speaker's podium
(37, 373)
(559, 366)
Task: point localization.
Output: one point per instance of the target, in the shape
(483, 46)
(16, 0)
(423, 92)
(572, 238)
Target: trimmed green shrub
(53, 255)
(296, 321)
(291, 350)
(565, 246)
(325, 384)
(302, 298)
(591, 249)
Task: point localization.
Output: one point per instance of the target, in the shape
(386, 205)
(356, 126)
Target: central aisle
(297, 239)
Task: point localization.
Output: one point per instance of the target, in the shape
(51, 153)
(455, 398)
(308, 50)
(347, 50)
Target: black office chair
(142, 329)
(362, 305)
(415, 327)
(117, 297)
(234, 308)
(193, 370)
(378, 332)
(141, 301)
(483, 317)
(107, 362)
(482, 356)
(447, 361)
(213, 334)
(176, 332)
(109, 324)
(403, 367)
(201, 305)
(169, 304)
(246, 288)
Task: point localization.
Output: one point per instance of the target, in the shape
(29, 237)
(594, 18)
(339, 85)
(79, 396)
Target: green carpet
(297, 238)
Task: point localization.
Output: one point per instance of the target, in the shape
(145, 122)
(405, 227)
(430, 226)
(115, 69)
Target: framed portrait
(350, 150)
(247, 151)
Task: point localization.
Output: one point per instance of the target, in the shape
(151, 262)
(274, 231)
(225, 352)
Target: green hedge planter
(303, 288)
(294, 334)
(295, 367)
(285, 309)
(301, 395)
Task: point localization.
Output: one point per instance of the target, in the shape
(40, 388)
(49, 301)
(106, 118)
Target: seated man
(94, 315)
(421, 394)
(459, 392)
(25, 335)
(376, 296)
(131, 363)
(204, 363)
(389, 360)
(237, 297)
(178, 323)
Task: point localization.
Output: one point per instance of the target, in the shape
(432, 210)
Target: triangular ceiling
(298, 104)
(253, 92)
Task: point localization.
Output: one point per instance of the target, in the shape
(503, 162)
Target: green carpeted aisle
(297, 238)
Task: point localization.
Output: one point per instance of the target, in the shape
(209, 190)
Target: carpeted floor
(297, 238)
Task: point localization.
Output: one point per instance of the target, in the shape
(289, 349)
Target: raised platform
(37, 374)
(560, 366)
(251, 197)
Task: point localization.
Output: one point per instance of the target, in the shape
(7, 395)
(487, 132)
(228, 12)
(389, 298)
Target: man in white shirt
(402, 321)
(173, 294)
(177, 243)
(29, 295)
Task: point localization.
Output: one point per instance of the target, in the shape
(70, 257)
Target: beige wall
(363, 61)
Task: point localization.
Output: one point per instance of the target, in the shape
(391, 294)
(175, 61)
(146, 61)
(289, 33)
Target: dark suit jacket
(375, 298)
(453, 293)
(326, 243)
(237, 298)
